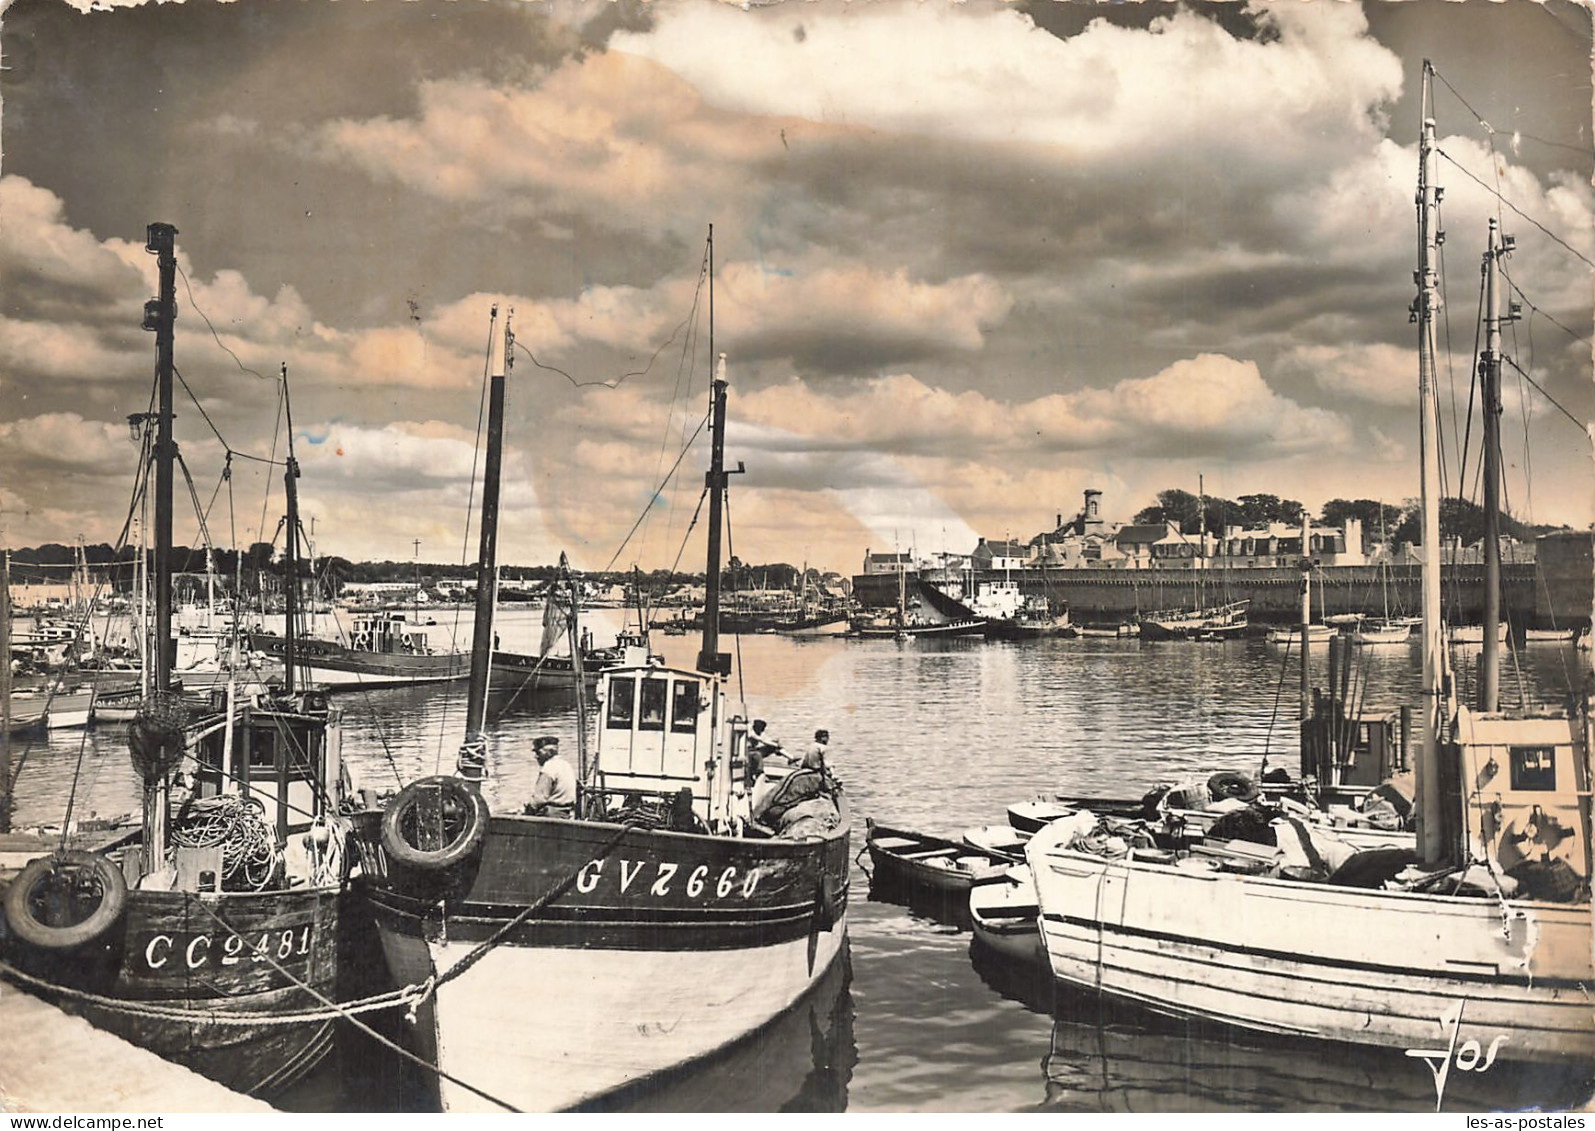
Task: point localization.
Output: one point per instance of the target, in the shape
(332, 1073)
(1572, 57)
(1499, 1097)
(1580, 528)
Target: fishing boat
(677, 910)
(209, 935)
(1473, 634)
(1214, 622)
(1003, 841)
(381, 648)
(930, 874)
(1477, 941)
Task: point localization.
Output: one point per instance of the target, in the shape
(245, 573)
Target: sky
(969, 260)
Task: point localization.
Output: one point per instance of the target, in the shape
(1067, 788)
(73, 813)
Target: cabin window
(263, 749)
(651, 711)
(1533, 767)
(684, 706)
(622, 693)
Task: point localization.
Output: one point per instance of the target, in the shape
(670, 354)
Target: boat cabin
(1350, 751)
(1525, 795)
(285, 752)
(389, 634)
(662, 731)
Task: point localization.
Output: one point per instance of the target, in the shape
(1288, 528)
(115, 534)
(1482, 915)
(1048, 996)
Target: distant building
(887, 563)
(1279, 544)
(1135, 542)
(1005, 554)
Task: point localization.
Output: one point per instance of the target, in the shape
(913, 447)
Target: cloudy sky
(971, 259)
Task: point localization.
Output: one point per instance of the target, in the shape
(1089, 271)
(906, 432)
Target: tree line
(1459, 518)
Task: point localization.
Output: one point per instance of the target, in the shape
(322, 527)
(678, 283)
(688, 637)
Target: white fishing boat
(1316, 634)
(1477, 943)
(1472, 634)
(1380, 634)
(1549, 635)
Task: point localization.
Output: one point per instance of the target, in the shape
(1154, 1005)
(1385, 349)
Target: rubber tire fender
(461, 849)
(20, 917)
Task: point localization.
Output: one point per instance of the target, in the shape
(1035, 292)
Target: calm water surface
(940, 736)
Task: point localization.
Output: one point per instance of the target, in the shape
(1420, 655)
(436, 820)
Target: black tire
(460, 811)
(58, 884)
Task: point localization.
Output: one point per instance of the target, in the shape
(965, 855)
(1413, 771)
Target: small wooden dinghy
(1029, 816)
(998, 840)
(1003, 917)
(912, 863)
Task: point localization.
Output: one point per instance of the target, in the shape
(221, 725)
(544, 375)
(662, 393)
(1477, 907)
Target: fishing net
(155, 737)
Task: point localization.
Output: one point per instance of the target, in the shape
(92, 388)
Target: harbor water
(937, 736)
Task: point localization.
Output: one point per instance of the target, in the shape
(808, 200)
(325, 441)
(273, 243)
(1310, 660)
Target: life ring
(1228, 783)
(43, 903)
(455, 810)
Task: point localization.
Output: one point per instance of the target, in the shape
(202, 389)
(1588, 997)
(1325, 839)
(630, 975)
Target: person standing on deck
(554, 795)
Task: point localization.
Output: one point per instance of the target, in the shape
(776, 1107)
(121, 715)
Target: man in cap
(554, 795)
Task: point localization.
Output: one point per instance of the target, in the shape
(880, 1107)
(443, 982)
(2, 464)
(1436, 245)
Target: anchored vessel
(675, 912)
(383, 648)
(208, 936)
(1481, 937)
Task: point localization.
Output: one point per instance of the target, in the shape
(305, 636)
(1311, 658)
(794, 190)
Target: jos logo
(1471, 1056)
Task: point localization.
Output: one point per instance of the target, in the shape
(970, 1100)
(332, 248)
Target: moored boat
(1217, 622)
(1003, 917)
(673, 908)
(381, 649)
(208, 936)
(1477, 939)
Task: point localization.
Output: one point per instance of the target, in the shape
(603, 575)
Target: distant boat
(1549, 635)
(1119, 631)
(383, 648)
(1375, 634)
(1213, 622)
(1472, 633)
(1316, 634)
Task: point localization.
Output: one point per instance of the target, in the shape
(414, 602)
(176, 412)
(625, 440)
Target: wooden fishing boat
(382, 649)
(910, 863)
(212, 940)
(1215, 622)
(1003, 917)
(676, 911)
(1482, 943)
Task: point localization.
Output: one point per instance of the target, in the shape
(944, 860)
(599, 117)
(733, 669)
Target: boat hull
(1377, 968)
(659, 949)
(177, 950)
(337, 667)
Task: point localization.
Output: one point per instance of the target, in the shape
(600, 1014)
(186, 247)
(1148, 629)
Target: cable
(200, 311)
(613, 382)
(1502, 198)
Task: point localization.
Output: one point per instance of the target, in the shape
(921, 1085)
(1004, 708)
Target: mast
(709, 659)
(584, 766)
(1490, 393)
(290, 478)
(715, 479)
(5, 692)
(1431, 836)
(1306, 619)
(159, 316)
(487, 549)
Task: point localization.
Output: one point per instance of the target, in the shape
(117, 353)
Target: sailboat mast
(290, 478)
(487, 549)
(1430, 823)
(160, 316)
(1490, 394)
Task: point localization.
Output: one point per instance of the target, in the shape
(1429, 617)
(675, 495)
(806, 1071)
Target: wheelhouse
(663, 735)
(284, 752)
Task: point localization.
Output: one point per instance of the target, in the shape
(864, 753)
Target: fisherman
(759, 749)
(554, 795)
(815, 758)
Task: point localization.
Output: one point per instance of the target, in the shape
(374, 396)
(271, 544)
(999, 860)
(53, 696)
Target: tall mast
(715, 479)
(1490, 389)
(290, 477)
(5, 691)
(160, 316)
(1431, 835)
(487, 551)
